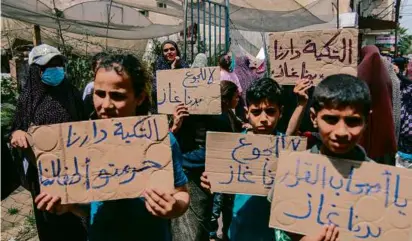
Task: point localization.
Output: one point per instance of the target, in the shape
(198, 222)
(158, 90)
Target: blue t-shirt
(250, 220)
(128, 219)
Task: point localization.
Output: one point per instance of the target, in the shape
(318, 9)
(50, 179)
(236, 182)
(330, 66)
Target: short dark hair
(342, 90)
(96, 58)
(264, 89)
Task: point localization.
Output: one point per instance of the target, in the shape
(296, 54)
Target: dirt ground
(17, 218)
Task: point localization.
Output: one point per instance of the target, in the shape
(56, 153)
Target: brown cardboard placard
(368, 201)
(103, 159)
(312, 54)
(246, 163)
(197, 88)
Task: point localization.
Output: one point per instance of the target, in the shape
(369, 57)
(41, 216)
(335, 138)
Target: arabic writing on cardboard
(103, 159)
(312, 55)
(246, 163)
(367, 201)
(198, 89)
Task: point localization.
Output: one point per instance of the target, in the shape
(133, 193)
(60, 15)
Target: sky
(406, 13)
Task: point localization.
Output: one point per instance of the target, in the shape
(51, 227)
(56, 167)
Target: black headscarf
(163, 64)
(40, 104)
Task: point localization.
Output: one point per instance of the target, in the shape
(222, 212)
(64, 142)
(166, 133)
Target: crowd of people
(363, 118)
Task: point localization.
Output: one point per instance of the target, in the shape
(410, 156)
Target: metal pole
(397, 7)
(185, 29)
(215, 32)
(210, 35)
(204, 27)
(191, 31)
(220, 29)
(198, 26)
(227, 29)
(337, 19)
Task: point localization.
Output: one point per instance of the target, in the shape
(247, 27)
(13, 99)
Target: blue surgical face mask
(232, 63)
(53, 76)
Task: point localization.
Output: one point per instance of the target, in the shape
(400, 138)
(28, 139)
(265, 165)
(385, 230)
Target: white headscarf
(200, 61)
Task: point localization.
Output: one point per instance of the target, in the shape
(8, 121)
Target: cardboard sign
(198, 89)
(103, 159)
(368, 201)
(312, 55)
(246, 163)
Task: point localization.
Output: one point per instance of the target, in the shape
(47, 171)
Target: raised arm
(301, 90)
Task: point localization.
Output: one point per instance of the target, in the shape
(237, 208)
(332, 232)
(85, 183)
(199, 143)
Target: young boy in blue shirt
(251, 213)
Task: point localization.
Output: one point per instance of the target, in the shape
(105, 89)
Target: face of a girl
(114, 95)
(169, 52)
(235, 100)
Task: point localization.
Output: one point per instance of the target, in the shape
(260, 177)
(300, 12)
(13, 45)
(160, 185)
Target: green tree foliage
(79, 70)
(9, 95)
(405, 41)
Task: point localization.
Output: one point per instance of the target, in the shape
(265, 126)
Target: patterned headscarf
(245, 74)
(396, 96)
(405, 137)
(40, 104)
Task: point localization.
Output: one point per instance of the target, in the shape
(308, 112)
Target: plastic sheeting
(80, 44)
(279, 15)
(93, 18)
(126, 22)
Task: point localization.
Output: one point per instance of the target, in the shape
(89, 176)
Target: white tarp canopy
(279, 15)
(13, 30)
(121, 19)
(93, 18)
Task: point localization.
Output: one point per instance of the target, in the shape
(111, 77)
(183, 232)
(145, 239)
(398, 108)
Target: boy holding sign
(121, 90)
(251, 213)
(341, 106)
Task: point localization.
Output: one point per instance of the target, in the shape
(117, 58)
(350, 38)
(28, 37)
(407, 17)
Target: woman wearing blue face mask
(48, 99)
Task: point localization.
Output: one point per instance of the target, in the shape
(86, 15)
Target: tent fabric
(13, 30)
(88, 17)
(279, 15)
(91, 18)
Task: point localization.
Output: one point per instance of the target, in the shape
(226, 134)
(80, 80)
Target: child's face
(340, 129)
(114, 95)
(264, 117)
(235, 100)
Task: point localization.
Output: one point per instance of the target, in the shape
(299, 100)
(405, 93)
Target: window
(161, 5)
(144, 12)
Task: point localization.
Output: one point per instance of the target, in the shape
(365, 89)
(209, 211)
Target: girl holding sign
(121, 88)
(169, 59)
